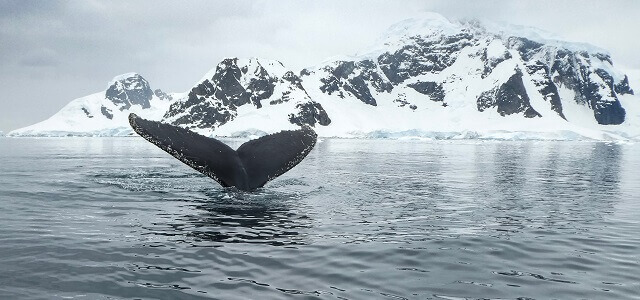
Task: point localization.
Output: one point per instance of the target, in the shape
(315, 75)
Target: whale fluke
(255, 163)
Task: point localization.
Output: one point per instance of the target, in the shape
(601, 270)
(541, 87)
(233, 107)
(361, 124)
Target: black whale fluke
(255, 163)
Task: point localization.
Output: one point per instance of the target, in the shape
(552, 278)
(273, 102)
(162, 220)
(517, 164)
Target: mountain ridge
(104, 113)
(429, 77)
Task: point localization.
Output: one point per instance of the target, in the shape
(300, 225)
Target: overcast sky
(52, 52)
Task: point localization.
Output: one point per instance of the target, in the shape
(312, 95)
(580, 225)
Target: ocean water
(117, 218)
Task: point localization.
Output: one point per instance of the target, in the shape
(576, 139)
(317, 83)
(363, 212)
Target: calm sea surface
(113, 218)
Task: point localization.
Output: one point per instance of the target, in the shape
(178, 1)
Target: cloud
(28, 7)
(40, 58)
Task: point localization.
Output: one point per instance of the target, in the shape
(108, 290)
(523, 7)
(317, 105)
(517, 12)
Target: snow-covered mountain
(427, 77)
(104, 113)
(249, 96)
(434, 77)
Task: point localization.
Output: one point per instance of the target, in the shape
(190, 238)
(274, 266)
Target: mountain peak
(432, 27)
(429, 74)
(131, 76)
(424, 25)
(265, 84)
(252, 63)
(129, 89)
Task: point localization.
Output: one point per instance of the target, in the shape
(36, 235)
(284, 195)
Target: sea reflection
(550, 188)
(501, 189)
(221, 216)
(357, 219)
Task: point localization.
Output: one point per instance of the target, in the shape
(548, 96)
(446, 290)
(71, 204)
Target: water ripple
(370, 219)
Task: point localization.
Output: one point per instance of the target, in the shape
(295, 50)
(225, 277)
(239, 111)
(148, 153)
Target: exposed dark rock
(607, 78)
(423, 56)
(162, 95)
(565, 70)
(491, 63)
(285, 98)
(106, 112)
(294, 79)
(369, 72)
(359, 89)
(310, 113)
(225, 85)
(354, 77)
(622, 87)
(546, 87)
(305, 72)
(432, 89)
(198, 113)
(402, 100)
(573, 70)
(550, 67)
(86, 112)
(609, 113)
(604, 57)
(128, 91)
(214, 102)
(510, 98)
(261, 87)
(606, 111)
(600, 97)
(526, 47)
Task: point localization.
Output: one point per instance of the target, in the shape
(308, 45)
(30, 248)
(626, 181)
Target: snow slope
(426, 77)
(246, 97)
(104, 113)
(432, 78)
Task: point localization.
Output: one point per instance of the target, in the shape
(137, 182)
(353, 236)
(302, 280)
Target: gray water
(113, 218)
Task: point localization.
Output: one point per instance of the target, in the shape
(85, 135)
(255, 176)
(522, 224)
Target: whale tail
(251, 166)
